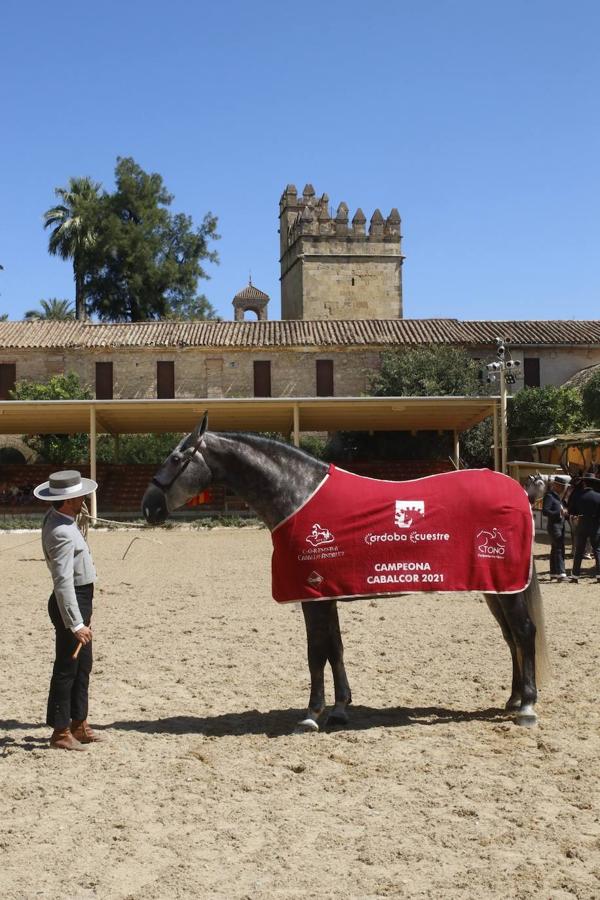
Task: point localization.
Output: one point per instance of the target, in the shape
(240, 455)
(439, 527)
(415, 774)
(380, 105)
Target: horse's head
(535, 486)
(183, 475)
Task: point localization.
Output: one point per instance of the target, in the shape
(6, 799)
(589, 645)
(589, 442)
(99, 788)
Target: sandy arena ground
(202, 789)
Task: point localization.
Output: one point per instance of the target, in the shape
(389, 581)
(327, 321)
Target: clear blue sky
(478, 120)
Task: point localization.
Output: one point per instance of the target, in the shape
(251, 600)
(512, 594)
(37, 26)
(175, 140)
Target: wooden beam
(94, 505)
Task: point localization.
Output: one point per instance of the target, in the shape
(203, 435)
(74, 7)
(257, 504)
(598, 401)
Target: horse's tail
(533, 599)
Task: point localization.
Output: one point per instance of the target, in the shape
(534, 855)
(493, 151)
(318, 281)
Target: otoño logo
(320, 536)
(491, 544)
(407, 511)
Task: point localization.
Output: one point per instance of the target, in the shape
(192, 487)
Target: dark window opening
(531, 371)
(324, 378)
(104, 381)
(8, 379)
(353, 282)
(262, 378)
(165, 380)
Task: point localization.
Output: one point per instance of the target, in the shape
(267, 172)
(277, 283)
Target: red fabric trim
(470, 530)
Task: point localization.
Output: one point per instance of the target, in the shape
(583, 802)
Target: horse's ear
(200, 428)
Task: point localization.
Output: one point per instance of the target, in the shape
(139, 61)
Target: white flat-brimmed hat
(64, 486)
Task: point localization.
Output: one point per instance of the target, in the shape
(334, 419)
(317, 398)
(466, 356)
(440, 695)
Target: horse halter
(188, 454)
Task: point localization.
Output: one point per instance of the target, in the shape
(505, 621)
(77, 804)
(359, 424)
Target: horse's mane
(270, 447)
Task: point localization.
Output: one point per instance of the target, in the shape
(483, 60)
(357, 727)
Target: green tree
(535, 413)
(55, 448)
(53, 309)
(4, 317)
(73, 222)
(590, 395)
(137, 448)
(426, 371)
(147, 261)
(196, 310)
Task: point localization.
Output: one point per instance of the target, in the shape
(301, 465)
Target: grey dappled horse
(535, 486)
(275, 479)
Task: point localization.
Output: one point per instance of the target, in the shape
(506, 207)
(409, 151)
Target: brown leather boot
(63, 739)
(84, 734)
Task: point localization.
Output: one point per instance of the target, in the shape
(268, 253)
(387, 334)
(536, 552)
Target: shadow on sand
(280, 722)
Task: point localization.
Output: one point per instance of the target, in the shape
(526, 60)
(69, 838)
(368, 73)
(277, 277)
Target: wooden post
(456, 437)
(94, 507)
(296, 425)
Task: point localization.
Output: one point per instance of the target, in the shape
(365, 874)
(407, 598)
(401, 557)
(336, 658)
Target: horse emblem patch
(491, 544)
(319, 536)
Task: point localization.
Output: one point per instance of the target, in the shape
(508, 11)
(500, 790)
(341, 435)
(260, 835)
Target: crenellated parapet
(312, 216)
(334, 265)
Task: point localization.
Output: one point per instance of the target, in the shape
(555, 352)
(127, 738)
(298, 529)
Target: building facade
(271, 358)
(341, 297)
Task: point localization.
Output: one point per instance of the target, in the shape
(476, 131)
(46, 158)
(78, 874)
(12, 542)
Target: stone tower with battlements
(333, 269)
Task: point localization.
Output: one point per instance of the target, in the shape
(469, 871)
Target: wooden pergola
(287, 415)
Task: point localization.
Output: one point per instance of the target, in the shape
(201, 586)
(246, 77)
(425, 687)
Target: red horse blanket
(470, 530)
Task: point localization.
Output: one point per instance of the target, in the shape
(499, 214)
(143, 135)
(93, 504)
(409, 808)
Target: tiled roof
(581, 378)
(251, 293)
(296, 333)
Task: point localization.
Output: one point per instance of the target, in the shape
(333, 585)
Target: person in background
(575, 490)
(587, 509)
(555, 512)
(70, 609)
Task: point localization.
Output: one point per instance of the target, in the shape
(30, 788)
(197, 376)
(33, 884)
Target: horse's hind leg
(343, 695)
(514, 607)
(316, 618)
(514, 701)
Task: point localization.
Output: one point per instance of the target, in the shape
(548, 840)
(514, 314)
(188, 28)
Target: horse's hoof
(305, 726)
(513, 703)
(340, 718)
(526, 716)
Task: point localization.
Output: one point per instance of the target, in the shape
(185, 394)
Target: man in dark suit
(555, 512)
(587, 509)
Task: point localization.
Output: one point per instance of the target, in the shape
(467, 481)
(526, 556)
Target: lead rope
(84, 519)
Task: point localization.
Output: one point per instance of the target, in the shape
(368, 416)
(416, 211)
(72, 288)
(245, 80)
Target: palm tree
(55, 310)
(73, 230)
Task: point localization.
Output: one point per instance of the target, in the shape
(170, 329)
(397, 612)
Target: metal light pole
(503, 418)
(499, 370)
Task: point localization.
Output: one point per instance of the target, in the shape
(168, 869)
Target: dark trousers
(68, 697)
(557, 550)
(584, 532)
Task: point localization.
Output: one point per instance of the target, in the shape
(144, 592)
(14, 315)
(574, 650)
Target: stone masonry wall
(334, 268)
(211, 372)
(351, 289)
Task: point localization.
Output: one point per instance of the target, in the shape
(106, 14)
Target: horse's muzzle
(154, 505)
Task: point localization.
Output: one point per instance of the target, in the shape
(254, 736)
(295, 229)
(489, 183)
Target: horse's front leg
(343, 695)
(514, 607)
(316, 617)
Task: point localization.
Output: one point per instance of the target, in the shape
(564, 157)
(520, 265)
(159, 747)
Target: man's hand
(83, 635)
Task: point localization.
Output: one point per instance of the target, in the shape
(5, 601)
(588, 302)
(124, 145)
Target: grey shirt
(70, 562)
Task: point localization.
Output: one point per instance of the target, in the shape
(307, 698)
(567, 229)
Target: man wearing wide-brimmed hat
(587, 508)
(70, 608)
(555, 512)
